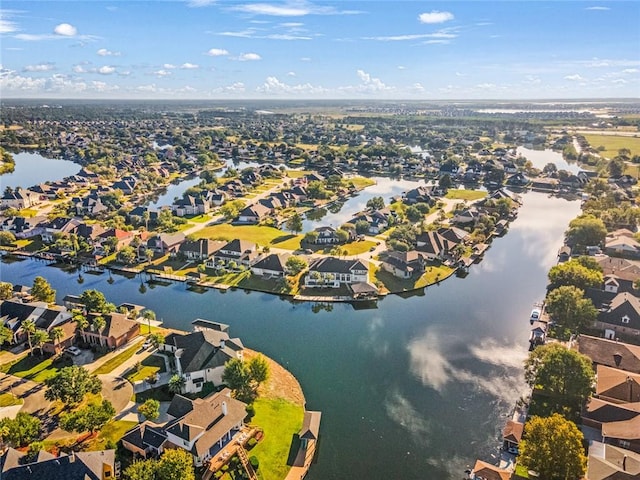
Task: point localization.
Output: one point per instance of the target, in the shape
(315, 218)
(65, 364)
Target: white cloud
(40, 67)
(486, 86)
(6, 25)
(574, 78)
(249, 57)
(249, 33)
(291, 9)
(286, 36)
(168, 66)
(273, 86)
(371, 84)
(201, 3)
(217, 52)
(413, 36)
(103, 52)
(620, 81)
(106, 70)
(598, 8)
(292, 24)
(437, 42)
(630, 70)
(189, 66)
(291, 74)
(79, 69)
(65, 30)
(435, 17)
(417, 87)
(305, 59)
(401, 67)
(162, 73)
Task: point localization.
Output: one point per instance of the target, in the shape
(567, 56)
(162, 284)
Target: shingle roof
(310, 425)
(611, 353)
(336, 265)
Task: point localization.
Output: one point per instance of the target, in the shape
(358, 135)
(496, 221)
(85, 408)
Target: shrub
(255, 463)
(251, 443)
(251, 411)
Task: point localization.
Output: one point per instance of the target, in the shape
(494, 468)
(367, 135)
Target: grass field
(395, 284)
(613, 143)
(111, 432)
(280, 421)
(35, 367)
(465, 195)
(253, 233)
(8, 400)
(150, 365)
(118, 360)
(361, 182)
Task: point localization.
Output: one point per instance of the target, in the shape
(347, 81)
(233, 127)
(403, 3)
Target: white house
(333, 272)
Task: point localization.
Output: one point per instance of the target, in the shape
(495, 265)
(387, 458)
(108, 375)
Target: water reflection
(539, 158)
(32, 169)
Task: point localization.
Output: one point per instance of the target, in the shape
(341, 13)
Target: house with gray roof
(97, 465)
(333, 272)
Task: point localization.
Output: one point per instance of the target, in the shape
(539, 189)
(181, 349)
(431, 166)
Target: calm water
(32, 169)
(415, 389)
(539, 158)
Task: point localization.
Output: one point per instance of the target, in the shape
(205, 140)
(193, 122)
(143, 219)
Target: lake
(33, 169)
(417, 388)
(539, 158)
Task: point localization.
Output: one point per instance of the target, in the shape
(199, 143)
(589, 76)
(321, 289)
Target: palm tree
(56, 335)
(81, 322)
(29, 327)
(99, 323)
(176, 383)
(40, 337)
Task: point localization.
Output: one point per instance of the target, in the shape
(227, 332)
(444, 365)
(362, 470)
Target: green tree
(127, 255)
(156, 339)
(88, 419)
(175, 464)
(6, 290)
(564, 377)
(342, 235)
(586, 230)
(21, 430)
(311, 237)
(6, 334)
(141, 470)
(56, 335)
(552, 447)
(29, 327)
(294, 223)
(81, 321)
(574, 273)
(7, 238)
(445, 181)
(375, 203)
(40, 337)
(258, 370)
(296, 264)
(568, 308)
(237, 377)
(176, 384)
(34, 450)
(71, 384)
(615, 167)
(41, 291)
(99, 323)
(95, 301)
(150, 409)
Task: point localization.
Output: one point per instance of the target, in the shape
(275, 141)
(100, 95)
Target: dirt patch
(281, 383)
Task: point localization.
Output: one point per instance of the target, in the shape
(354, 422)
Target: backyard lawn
(149, 366)
(280, 420)
(8, 400)
(395, 284)
(361, 182)
(469, 195)
(118, 360)
(111, 432)
(35, 367)
(258, 234)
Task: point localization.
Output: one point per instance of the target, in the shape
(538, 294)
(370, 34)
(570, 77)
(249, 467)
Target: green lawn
(297, 173)
(280, 421)
(361, 182)
(252, 282)
(31, 244)
(118, 360)
(254, 233)
(35, 367)
(395, 284)
(8, 400)
(112, 431)
(613, 143)
(465, 195)
(150, 365)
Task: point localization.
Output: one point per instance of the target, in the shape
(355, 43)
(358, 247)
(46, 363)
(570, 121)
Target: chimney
(224, 408)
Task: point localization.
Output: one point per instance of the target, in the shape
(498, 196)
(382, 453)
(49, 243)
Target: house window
(625, 319)
(624, 443)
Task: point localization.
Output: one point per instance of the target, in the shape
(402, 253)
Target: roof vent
(617, 358)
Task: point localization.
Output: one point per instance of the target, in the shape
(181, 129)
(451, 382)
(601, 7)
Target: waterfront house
(118, 330)
(234, 255)
(333, 272)
(512, 434)
(98, 465)
(607, 462)
(326, 236)
(622, 244)
(620, 267)
(61, 226)
(19, 198)
(190, 205)
(273, 265)
(200, 249)
(485, 471)
(253, 214)
(202, 354)
(421, 194)
(617, 386)
(434, 245)
(166, 242)
(611, 353)
(404, 264)
(617, 424)
(621, 315)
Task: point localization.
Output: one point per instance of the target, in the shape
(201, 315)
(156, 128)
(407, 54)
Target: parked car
(513, 450)
(147, 344)
(75, 351)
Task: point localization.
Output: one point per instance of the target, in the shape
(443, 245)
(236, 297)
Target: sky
(316, 49)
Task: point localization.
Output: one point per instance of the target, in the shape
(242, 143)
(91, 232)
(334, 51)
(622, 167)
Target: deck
(227, 452)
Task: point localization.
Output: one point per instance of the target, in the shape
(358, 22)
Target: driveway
(117, 390)
(32, 393)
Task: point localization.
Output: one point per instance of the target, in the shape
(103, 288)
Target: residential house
(607, 462)
(468, 216)
(146, 440)
(19, 198)
(435, 246)
(118, 330)
(378, 220)
(326, 236)
(620, 267)
(200, 249)
(622, 315)
(622, 244)
(89, 205)
(611, 353)
(485, 471)
(617, 386)
(127, 184)
(98, 465)
(512, 434)
(61, 226)
(618, 424)
(13, 313)
(190, 205)
(420, 194)
(254, 214)
(202, 354)
(404, 264)
(236, 254)
(166, 242)
(273, 265)
(333, 272)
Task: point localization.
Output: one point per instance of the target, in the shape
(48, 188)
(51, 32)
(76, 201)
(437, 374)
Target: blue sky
(376, 49)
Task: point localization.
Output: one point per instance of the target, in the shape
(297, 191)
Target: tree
(586, 230)
(156, 339)
(616, 167)
(127, 255)
(550, 169)
(176, 384)
(258, 370)
(81, 321)
(41, 291)
(230, 210)
(568, 308)
(175, 464)
(375, 203)
(311, 237)
(445, 181)
(21, 430)
(40, 337)
(150, 409)
(56, 334)
(88, 419)
(7, 238)
(576, 274)
(294, 223)
(71, 384)
(95, 301)
(6, 334)
(565, 377)
(99, 323)
(29, 327)
(552, 447)
(342, 235)
(296, 264)
(141, 470)
(6, 290)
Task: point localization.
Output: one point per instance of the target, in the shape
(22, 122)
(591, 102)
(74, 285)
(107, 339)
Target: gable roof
(617, 384)
(513, 431)
(336, 265)
(77, 466)
(179, 406)
(611, 353)
(205, 349)
(274, 261)
(608, 462)
(310, 425)
(486, 471)
(144, 435)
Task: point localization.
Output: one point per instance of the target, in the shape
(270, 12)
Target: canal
(417, 388)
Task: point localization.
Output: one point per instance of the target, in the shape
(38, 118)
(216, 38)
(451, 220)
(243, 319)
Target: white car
(535, 315)
(75, 351)
(147, 344)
